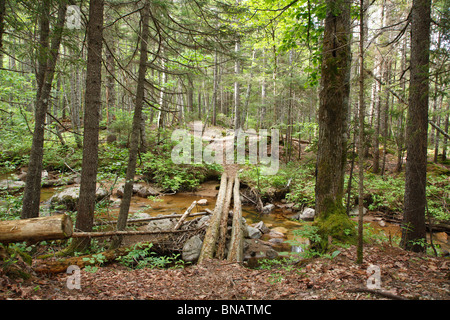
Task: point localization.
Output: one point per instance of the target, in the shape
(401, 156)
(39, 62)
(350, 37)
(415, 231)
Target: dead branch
(378, 292)
(185, 215)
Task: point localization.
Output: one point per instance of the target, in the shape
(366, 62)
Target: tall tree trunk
(134, 143)
(401, 126)
(2, 28)
(237, 92)
(385, 114)
(110, 93)
(362, 14)
(444, 147)
(248, 92)
(162, 98)
(47, 63)
(289, 111)
(86, 203)
(75, 84)
(333, 114)
(417, 123)
(263, 94)
(214, 98)
(190, 94)
(376, 137)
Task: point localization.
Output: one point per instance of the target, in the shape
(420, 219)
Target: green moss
(13, 263)
(332, 207)
(335, 224)
(436, 170)
(338, 226)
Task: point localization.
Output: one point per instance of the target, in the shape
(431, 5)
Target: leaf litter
(403, 275)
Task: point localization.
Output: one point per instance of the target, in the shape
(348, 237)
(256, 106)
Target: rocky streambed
(265, 233)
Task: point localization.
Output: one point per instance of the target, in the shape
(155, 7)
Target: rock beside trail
(69, 197)
(258, 249)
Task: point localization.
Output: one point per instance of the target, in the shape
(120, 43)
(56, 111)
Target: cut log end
(36, 229)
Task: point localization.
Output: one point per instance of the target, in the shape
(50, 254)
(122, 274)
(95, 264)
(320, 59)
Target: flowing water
(178, 203)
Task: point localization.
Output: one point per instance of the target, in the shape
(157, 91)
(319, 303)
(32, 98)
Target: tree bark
(86, 202)
(185, 215)
(362, 14)
(237, 92)
(137, 118)
(413, 230)
(36, 229)
(223, 227)
(446, 136)
(215, 88)
(236, 252)
(76, 104)
(47, 64)
(333, 111)
(212, 233)
(2, 28)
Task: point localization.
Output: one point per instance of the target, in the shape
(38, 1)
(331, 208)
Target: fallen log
(209, 242)
(185, 215)
(61, 265)
(236, 252)
(36, 229)
(382, 293)
(223, 227)
(125, 233)
(140, 220)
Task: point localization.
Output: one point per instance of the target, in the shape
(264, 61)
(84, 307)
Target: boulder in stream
(141, 190)
(355, 211)
(261, 227)
(11, 185)
(268, 208)
(69, 197)
(160, 225)
(307, 214)
(253, 233)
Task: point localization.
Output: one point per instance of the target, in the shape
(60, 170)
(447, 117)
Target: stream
(179, 202)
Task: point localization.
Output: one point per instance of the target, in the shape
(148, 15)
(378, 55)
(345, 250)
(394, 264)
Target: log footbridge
(216, 236)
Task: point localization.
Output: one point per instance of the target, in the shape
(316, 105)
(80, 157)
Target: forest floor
(403, 275)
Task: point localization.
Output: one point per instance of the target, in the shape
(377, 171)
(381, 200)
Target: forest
(224, 150)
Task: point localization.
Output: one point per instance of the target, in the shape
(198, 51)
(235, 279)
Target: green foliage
(121, 126)
(94, 262)
(141, 256)
(438, 197)
(10, 206)
(58, 157)
(113, 159)
(158, 167)
(387, 194)
(16, 102)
